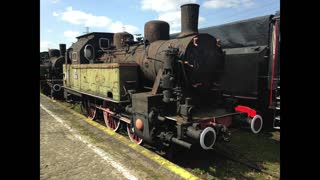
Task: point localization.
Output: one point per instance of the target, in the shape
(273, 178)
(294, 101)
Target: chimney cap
(189, 4)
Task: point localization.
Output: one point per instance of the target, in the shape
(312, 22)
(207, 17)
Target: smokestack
(189, 19)
(62, 49)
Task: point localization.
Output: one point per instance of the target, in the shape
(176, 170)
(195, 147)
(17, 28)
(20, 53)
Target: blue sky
(62, 20)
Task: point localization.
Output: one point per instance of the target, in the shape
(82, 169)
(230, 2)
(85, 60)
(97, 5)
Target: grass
(262, 150)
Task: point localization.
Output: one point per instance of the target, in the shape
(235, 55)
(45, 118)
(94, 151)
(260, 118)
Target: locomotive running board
(88, 94)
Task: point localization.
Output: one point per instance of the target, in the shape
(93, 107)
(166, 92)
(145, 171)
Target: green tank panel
(104, 80)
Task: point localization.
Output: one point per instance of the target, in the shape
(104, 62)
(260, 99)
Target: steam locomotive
(163, 90)
(51, 72)
(252, 63)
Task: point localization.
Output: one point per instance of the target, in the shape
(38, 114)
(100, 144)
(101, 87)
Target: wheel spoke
(111, 122)
(90, 108)
(91, 111)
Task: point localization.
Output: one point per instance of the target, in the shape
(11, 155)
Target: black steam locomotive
(164, 90)
(252, 63)
(51, 72)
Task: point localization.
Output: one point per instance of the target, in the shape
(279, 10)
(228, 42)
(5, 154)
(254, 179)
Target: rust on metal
(156, 30)
(189, 20)
(120, 38)
(157, 82)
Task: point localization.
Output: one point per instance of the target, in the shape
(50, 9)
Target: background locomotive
(164, 90)
(51, 71)
(252, 63)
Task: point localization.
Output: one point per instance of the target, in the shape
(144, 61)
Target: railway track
(227, 151)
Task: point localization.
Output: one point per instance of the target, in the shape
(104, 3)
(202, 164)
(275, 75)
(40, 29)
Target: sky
(61, 21)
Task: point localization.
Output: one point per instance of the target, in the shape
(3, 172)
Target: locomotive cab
(89, 47)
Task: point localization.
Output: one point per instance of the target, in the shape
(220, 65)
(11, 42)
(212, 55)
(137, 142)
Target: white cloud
(163, 5)
(69, 8)
(49, 30)
(45, 45)
(88, 20)
(173, 31)
(215, 4)
(248, 3)
(55, 14)
(120, 27)
(85, 19)
(169, 11)
(55, 1)
(71, 35)
(201, 19)
(174, 18)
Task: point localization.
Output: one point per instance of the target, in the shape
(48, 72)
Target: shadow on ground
(261, 150)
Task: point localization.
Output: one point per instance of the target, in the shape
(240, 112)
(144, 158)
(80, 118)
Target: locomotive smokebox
(189, 20)
(156, 30)
(62, 49)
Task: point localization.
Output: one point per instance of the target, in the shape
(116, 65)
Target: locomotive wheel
(91, 112)
(111, 122)
(83, 109)
(133, 137)
(90, 109)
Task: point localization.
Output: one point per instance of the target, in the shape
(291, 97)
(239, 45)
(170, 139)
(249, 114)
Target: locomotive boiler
(164, 90)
